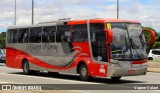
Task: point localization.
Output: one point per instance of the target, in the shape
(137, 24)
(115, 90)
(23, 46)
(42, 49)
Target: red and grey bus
(88, 47)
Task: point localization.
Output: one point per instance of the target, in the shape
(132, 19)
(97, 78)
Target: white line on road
(82, 82)
(6, 82)
(75, 82)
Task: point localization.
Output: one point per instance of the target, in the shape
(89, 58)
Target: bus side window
(23, 35)
(79, 33)
(9, 36)
(48, 35)
(35, 35)
(63, 33)
(12, 36)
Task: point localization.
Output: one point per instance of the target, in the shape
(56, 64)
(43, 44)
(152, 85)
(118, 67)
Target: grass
(153, 60)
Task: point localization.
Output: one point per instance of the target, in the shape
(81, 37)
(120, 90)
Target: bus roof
(73, 21)
(120, 20)
(99, 20)
(30, 26)
(108, 20)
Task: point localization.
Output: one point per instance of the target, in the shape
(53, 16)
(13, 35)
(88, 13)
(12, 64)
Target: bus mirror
(150, 36)
(109, 36)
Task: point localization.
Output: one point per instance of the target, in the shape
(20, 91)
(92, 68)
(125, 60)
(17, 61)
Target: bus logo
(6, 87)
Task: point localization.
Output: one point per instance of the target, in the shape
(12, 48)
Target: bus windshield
(128, 42)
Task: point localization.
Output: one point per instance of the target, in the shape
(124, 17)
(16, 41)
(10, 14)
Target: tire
(150, 58)
(83, 71)
(115, 78)
(26, 69)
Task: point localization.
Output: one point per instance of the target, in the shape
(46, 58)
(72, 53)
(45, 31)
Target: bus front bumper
(119, 72)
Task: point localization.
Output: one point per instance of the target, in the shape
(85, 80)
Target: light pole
(117, 9)
(32, 12)
(15, 12)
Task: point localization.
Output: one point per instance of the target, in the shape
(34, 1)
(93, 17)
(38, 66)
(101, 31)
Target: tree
(156, 45)
(148, 39)
(151, 29)
(3, 40)
(147, 35)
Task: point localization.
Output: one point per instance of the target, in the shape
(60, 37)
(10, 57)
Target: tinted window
(156, 52)
(63, 34)
(79, 33)
(98, 42)
(35, 35)
(48, 34)
(23, 35)
(12, 36)
(9, 36)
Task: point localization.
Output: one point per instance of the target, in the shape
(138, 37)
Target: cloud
(49, 10)
(111, 8)
(150, 21)
(145, 13)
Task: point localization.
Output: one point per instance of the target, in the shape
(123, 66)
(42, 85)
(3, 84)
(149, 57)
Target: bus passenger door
(98, 42)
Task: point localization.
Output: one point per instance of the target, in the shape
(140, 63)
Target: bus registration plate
(131, 71)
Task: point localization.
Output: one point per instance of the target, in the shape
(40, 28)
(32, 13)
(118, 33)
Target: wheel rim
(25, 67)
(84, 72)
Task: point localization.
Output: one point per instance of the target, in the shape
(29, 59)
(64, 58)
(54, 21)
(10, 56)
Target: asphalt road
(15, 76)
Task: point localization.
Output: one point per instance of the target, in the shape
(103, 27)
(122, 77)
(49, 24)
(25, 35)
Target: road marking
(6, 82)
(75, 82)
(79, 91)
(156, 90)
(82, 82)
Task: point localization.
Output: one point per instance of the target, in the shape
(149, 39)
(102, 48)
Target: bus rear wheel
(115, 78)
(26, 67)
(83, 71)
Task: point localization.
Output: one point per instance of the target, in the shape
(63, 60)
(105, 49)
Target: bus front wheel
(83, 71)
(115, 78)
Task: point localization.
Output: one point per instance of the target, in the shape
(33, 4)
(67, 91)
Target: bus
(86, 47)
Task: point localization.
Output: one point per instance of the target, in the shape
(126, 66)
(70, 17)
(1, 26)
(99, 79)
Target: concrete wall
(154, 66)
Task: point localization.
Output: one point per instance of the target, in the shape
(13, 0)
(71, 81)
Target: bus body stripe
(38, 62)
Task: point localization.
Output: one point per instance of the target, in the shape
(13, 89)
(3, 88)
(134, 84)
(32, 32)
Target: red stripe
(139, 62)
(38, 62)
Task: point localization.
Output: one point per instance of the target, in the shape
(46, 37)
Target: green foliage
(147, 35)
(151, 29)
(2, 40)
(156, 45)
(158, 38)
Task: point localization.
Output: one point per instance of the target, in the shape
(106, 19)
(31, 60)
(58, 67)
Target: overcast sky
(145, 11)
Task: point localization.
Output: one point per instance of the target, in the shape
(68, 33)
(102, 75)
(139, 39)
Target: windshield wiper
(135, 47)
(127, 47)
(141, 39)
